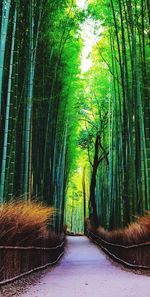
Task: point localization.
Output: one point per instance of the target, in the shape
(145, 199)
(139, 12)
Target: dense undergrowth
(135, 233)
(27, 224)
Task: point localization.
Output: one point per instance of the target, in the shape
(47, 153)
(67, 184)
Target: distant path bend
(86, 272)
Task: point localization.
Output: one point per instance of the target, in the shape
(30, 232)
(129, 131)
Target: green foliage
(57, 121)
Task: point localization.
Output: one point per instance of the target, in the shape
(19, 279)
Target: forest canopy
(74, 108)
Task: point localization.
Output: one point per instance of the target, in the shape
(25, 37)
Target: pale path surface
(86, 272)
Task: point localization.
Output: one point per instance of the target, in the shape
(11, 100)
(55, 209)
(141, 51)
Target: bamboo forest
(74, 118)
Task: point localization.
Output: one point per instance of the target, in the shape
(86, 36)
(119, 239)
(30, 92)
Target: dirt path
(85, 272)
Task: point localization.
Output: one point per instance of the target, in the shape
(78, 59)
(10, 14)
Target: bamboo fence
(16, 262)
(134, 256)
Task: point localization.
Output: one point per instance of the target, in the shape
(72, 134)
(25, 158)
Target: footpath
(85, 271)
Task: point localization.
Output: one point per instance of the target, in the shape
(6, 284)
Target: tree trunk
(3, 36)
(93, 184)
(5, 145)
(84, 197)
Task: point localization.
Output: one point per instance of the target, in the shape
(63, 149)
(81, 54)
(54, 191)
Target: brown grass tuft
(26, 224)
(135, 233)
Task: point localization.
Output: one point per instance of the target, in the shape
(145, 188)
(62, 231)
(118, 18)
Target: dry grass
(26, 224)
(135, 233)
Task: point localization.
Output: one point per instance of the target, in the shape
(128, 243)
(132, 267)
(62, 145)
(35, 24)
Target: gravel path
(86, 272)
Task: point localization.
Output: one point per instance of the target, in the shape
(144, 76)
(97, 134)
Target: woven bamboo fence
(16, 262)
(134, 256)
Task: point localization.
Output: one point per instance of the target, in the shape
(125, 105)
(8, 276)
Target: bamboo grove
(38, 43)
(55, 119)
(118, 129)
